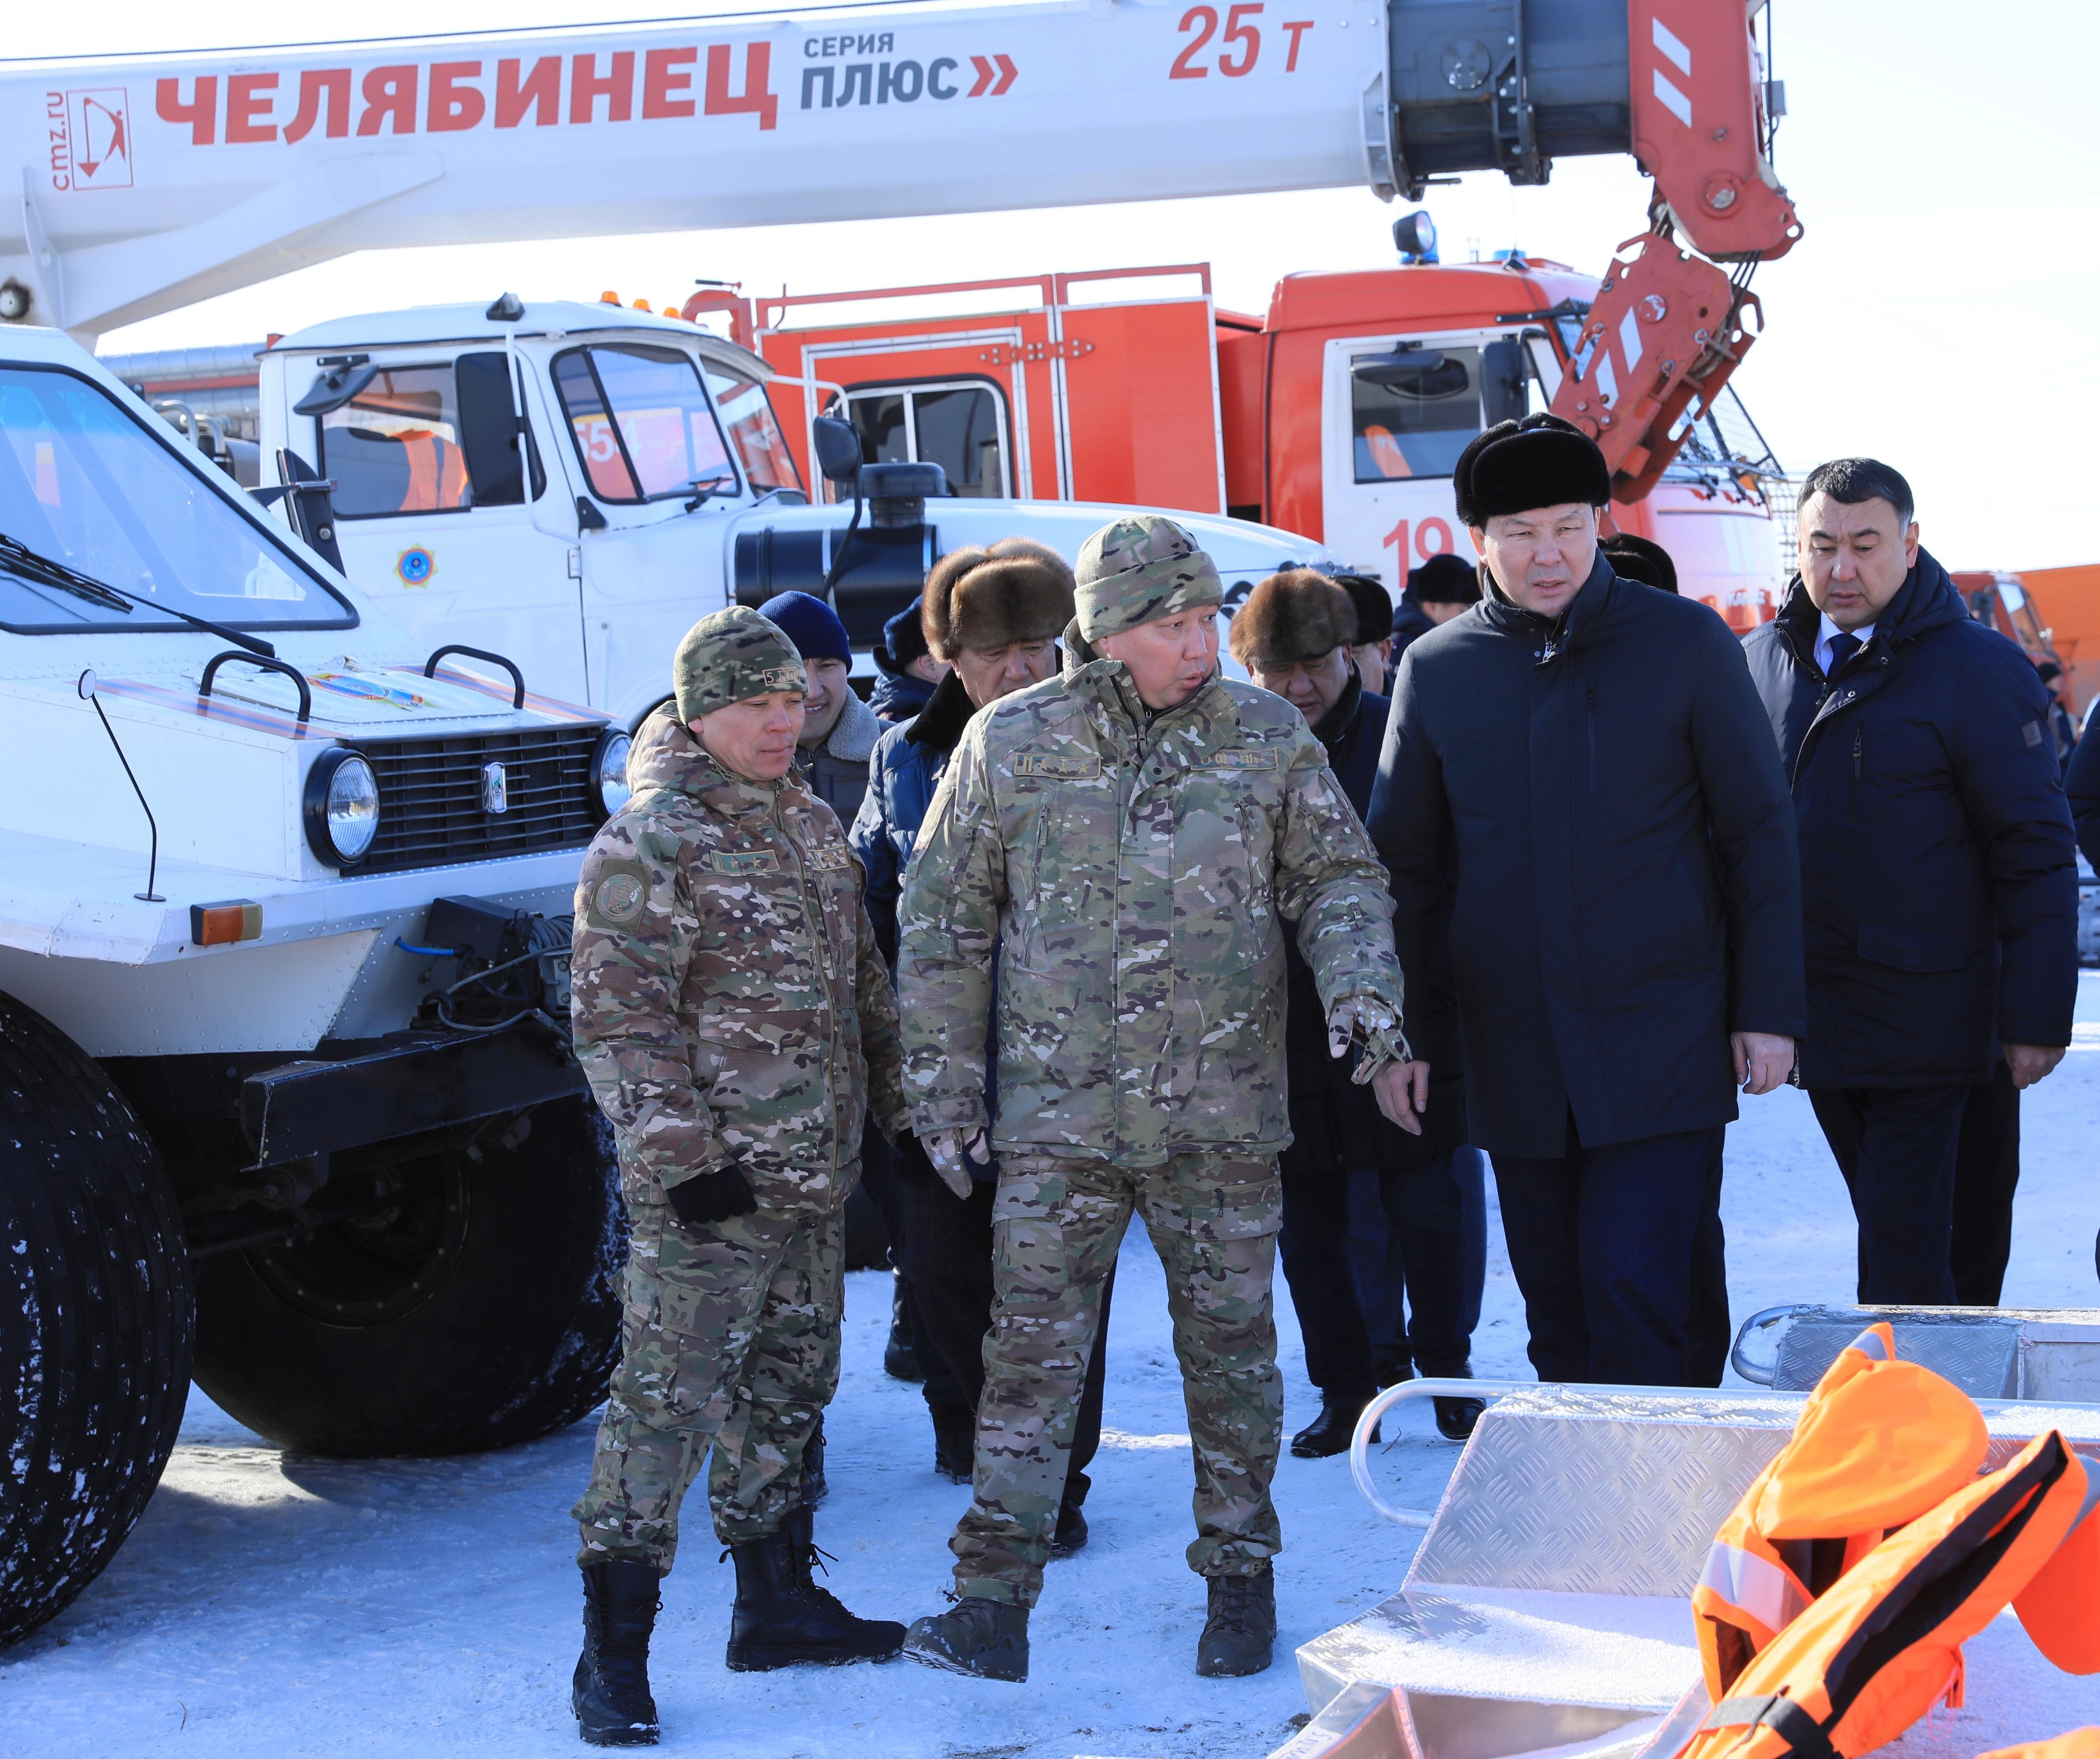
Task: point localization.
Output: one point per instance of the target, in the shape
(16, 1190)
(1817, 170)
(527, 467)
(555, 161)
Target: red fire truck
(1338, 414)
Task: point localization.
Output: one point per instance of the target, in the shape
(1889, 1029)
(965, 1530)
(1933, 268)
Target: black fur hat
(1015, 590)
(1540, 461)
(1296, 615)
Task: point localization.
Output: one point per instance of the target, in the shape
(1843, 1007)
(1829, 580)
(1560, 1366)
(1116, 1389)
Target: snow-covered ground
(270, 1604)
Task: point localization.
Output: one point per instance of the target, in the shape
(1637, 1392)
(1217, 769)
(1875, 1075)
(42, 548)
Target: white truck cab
(283, 995)
(650, 485)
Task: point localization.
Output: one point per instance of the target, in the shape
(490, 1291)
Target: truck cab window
(761, 446)
(960, 427)
(641, 421)
(1414, 411)
(85, 482)
(395, 447)
(429, 439)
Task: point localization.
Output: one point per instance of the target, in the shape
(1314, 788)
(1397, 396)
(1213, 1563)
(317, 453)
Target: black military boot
(900, 1355)
(986, 1638)
(611, 1695)
(1240, 1634)
(781, 1617)
(1328, 1434)
(955, 1445)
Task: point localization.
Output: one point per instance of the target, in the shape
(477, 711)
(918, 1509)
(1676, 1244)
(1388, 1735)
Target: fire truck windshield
(641, 421)
(88, 485)
(1414, 412)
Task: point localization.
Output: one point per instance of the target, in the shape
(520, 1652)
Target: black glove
(711, 1198)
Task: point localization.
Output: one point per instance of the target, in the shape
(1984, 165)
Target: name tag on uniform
(1237, 760)
(829, 858)
(1062, 769)
(742, 861)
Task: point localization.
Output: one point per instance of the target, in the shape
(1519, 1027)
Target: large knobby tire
(96, 1323)
(479, 1309)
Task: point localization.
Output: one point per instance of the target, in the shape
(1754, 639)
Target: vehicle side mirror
(837, 446)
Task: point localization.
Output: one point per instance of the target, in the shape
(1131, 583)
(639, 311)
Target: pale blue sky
(1940, 312)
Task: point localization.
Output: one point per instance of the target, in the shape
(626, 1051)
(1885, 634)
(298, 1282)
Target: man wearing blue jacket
(991, 620)
(1939, 890)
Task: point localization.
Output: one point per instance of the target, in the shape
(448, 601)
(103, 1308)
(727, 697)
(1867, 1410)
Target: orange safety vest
(1880, 1443)
(1874, 1651)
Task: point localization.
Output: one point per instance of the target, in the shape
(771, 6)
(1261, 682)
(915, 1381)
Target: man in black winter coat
(1296, 635)
(1938, 885)
(1587, 758)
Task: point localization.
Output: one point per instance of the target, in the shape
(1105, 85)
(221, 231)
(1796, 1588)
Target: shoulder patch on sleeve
(619, 896)
(1056, 766)
(2031, 732)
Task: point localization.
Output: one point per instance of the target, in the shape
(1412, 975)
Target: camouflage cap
(1140, 568)
(729, 656)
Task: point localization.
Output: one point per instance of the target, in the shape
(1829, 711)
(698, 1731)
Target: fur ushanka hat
(1296, 615)
(1540, 461)
(1016, 590)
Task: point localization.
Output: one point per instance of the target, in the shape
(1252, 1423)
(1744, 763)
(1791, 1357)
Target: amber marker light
(220, 924)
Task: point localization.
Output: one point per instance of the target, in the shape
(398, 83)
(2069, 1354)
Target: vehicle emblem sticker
(416, 567)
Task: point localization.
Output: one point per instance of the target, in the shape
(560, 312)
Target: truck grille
(430, 809)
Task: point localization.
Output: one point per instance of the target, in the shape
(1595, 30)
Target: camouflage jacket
(1134, 873)
(730, 1006)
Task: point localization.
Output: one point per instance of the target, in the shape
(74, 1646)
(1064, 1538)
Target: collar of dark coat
(1333, 727)
(667, 757)
(1592, 602)
(1927, 600)
(939, 725)
(1108, 683)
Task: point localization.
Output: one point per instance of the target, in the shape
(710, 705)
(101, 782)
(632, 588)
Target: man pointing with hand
(1130, 839)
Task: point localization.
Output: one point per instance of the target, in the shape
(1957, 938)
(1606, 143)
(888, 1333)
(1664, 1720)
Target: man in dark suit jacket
(1938, 882)
(1588, 757)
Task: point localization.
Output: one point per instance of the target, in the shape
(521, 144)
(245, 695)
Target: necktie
(1842, 647)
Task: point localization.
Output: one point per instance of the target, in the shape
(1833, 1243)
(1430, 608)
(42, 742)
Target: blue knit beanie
(813, 626)
(904, 636)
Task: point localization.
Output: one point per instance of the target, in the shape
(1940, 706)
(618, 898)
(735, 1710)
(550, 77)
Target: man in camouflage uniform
(732, 1012)
(1132, 838)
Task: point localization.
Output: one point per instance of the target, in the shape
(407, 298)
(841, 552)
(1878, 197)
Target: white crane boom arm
(140, 185)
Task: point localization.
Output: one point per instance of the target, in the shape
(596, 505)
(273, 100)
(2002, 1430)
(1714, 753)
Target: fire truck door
(1396, 411)
(1136, 390)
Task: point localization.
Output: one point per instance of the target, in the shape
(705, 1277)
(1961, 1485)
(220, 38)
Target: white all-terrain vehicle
(285, 1085)
(285, 861)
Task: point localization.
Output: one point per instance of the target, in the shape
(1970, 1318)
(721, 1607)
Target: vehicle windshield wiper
(19, 559)
(707, 488)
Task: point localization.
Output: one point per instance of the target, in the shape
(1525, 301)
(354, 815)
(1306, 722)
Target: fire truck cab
(1338, 415)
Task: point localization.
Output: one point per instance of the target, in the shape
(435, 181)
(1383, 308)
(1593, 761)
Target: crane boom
(146, 183)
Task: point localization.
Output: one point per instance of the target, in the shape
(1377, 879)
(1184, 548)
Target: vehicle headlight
(609, 781)
(341, 807)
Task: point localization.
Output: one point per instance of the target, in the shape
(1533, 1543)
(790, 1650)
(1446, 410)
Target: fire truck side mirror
(837, 447)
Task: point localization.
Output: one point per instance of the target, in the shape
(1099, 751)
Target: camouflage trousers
(1056, 1225)
(729, 1340)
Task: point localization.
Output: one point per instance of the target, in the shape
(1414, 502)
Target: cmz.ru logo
(90, 138)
